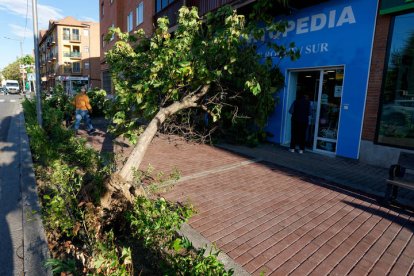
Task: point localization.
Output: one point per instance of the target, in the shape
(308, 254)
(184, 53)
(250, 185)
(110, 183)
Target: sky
(16, 22)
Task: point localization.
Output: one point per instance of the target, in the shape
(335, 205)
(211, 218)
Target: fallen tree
(207, 64)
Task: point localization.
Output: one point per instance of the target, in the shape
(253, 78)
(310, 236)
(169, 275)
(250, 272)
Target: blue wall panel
(336, 33)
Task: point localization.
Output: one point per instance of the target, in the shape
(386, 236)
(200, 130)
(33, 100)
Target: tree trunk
(146, 137)
(120, 190)
(135, 159)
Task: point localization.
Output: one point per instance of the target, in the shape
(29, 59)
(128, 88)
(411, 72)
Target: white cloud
(20, 31)
(87, 18)
(19, 7)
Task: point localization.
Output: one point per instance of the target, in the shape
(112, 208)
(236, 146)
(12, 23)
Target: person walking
(83, 108)
(300, 110)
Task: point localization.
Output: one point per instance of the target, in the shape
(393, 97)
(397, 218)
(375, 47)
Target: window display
(396, 120)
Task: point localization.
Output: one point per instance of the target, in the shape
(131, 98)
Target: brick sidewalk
(278, 221)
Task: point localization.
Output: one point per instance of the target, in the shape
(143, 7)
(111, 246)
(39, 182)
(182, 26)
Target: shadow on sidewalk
(10, 204)
(338, 171)
(400, 219)
(23, 247)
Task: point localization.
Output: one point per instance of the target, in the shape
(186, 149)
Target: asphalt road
(11, 233)
(7, 107)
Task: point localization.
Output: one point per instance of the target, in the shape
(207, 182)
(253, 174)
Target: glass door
(328, 108)
(303, 83)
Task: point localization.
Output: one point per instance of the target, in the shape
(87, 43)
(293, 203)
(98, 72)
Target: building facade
(127, 16)
(389, 110)
(131, 15)
(69, 54)
(356, 66)
(332, 71)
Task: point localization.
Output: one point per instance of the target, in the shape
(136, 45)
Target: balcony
(67, 70)
(50, 41)
(75, 38)
(51, 57)
(204, 6)
(74, 55)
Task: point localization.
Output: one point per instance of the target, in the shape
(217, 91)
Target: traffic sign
(31, 77)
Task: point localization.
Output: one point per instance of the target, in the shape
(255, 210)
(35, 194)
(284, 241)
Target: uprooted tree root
(118, 197)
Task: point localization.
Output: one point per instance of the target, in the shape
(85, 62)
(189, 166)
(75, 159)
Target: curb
(35, 248)
(199, 241)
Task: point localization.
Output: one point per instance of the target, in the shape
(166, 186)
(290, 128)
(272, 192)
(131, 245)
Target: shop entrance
(324, 89)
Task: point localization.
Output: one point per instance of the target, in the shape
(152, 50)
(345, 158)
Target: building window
(86, 49)
(66, 34)
(103, 41)
(76, 68)
(140, 13)
(106, 81)
(111, 1)
(130, 22)
(86, 65)
(85, 32)
(396, 120)
(102, 9)
(75, 34)
(67, 68)
(113, 34)
(162, 4)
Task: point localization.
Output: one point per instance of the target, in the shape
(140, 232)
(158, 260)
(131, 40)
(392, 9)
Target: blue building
(335, 39)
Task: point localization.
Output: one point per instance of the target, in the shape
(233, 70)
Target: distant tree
(27, 60)
(12, 71)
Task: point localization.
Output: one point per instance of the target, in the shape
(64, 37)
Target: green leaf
(177, 245)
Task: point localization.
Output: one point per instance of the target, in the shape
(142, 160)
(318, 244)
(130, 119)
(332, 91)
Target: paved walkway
(345, 172)
(270, 218)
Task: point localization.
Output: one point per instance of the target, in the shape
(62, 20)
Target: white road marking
(2, 100)
(12, 101)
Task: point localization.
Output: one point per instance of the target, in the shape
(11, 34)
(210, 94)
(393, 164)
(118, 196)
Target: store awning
(393, 6)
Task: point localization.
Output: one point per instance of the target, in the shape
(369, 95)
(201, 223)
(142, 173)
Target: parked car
(12, 86)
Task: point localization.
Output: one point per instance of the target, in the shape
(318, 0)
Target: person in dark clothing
(300, 111)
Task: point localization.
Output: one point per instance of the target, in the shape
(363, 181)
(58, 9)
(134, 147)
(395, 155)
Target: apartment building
(69, 52)
(128, 15)
(131, 15)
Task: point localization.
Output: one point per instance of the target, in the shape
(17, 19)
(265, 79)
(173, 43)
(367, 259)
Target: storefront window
(78, 84)
(396, 122)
